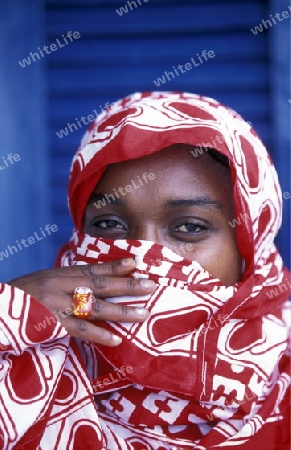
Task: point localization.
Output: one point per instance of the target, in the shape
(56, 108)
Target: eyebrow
(203, 201)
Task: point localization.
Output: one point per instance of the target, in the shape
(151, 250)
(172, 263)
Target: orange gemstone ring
(82, 302)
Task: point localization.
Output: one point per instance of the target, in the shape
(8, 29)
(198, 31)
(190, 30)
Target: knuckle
(130, 283)
(99, 282)
(112, 268)
(48, 299)
(82, 326)
(97, 305)
(86, 270)
(47, 285)
(124, 310)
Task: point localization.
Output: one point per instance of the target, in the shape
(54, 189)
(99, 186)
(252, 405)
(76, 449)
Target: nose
(147, 232)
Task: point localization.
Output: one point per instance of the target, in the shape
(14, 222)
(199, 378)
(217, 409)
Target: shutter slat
(157, 20)
(233, 76)
(89, 53)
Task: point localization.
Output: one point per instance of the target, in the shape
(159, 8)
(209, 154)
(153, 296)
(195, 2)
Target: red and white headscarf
(208, 369)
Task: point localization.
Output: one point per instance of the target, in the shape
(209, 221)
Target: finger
(115, 268)
(86, 330)
(62, 307)
(103, 286)
(102, 310)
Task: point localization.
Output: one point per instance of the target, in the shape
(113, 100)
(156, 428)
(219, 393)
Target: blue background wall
(115, 56)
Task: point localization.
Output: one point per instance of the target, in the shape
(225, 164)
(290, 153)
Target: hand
(54, 289)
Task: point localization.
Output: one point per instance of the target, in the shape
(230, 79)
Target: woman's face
(174, 199)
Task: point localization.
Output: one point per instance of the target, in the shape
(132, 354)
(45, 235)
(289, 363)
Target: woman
(186, 343)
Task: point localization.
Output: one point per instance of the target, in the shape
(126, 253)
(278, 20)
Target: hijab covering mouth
(215, 357)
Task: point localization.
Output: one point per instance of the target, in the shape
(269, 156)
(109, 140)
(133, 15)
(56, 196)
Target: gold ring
(82, 302)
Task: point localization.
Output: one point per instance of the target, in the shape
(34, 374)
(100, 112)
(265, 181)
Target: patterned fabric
(46, 399)
(195, 377)
(209, 368)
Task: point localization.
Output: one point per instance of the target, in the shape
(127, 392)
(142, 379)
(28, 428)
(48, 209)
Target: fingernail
(128, 262)
(148, 283)
(116, 339)
(141, 312)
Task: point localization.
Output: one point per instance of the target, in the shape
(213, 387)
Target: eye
(189, 227)
(108, 224)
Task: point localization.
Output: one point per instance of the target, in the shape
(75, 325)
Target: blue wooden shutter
(117, 55)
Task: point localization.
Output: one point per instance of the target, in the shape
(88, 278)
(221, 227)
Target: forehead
(175, 167)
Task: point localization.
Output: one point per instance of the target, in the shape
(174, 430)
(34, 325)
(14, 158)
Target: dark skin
(186, 208)
(188, 202)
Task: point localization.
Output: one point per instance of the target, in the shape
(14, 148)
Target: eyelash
(195, 225)
(97, 223)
